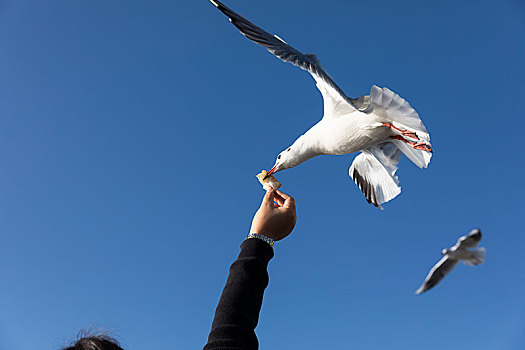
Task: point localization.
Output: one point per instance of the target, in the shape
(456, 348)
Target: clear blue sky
(117, 117)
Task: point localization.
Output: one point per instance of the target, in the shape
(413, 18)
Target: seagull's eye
(279, 156)
(288, 150)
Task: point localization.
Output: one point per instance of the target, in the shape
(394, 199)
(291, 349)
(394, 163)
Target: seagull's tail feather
(399, 110)
(403, 117)
(477, 258)
(374, 172)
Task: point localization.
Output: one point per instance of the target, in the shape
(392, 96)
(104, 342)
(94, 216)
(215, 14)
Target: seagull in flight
(381, 125)
(452, 256)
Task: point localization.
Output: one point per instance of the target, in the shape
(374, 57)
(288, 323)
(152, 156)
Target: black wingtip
(476, 232)
(215, 3)
(367, 188)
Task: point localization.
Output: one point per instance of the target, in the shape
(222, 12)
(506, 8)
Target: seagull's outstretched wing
(335, 101)
(469, 241)
(436, 274)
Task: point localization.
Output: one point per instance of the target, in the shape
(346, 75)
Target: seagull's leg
(422, 146)
(406, 133)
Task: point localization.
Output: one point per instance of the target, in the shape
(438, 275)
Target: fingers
(289, 202)
(282, 194)
(279, 199)
(268, 198)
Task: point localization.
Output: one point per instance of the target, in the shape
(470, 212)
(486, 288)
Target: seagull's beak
(272, 170)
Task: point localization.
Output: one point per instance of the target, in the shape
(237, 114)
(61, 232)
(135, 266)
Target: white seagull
(453, 256)
(381, 125)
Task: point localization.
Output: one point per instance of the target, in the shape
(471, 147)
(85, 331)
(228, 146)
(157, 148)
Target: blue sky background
(116, 118)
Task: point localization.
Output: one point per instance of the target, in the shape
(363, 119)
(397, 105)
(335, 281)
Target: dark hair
(94, 341)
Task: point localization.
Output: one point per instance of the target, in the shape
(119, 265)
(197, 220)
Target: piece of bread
(270, 181)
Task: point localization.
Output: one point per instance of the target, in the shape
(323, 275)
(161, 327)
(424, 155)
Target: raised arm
(238, 310)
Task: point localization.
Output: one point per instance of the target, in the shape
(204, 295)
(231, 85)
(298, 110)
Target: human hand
(275, 221)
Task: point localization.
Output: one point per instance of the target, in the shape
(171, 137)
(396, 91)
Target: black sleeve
(237, 314)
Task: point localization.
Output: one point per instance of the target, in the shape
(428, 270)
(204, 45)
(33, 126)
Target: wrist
(262, 237)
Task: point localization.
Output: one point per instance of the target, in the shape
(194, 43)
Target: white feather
(418, 157)
(399, 110)
(477, 258)
(377, 168)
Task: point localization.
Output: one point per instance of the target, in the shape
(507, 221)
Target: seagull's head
(301, 150)
(285, 160)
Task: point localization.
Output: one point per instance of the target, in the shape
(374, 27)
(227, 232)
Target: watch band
(261, 237)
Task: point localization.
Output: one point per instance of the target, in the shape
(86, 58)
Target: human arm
(238, 310)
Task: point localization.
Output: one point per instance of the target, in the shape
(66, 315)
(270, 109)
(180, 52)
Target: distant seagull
(380, 125)
(453, 256)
